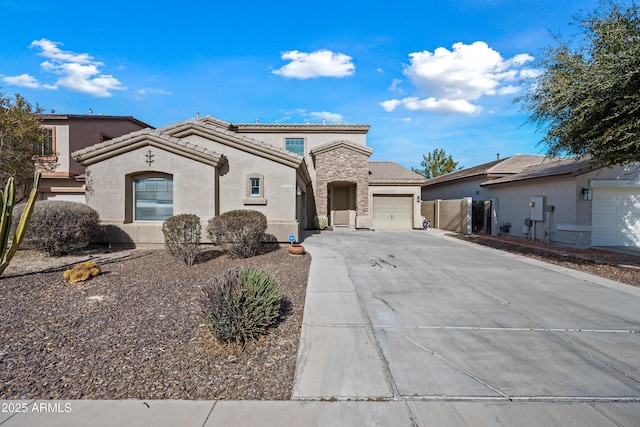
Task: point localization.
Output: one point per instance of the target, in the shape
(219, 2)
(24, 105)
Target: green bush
(239, 232)
(57, 226)
(182, 237)
(240, 304)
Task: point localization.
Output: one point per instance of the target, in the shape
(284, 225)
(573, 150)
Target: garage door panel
(392, 212)
(616, 217)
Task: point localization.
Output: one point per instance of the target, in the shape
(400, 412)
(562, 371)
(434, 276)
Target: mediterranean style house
(298, 175)
(67, 133)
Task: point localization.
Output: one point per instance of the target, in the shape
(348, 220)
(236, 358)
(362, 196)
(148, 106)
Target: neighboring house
(568, 201)
(293, 173)
(67, 133)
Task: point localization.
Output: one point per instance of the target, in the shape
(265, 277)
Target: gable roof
(172, 138)
(216, 130)
(142, 138)
(390, 173)
(548, 168)
(341, 143)
(497, 168)
(97, 117)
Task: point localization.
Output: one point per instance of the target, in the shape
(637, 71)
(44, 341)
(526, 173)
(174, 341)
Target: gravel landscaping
(134, 332)
(612, 265)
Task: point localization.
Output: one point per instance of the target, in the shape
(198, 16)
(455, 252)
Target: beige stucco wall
(196, 189)
(280, 183)
(457, 190)
(413, 190)
(107, 189)
(514, 206)
(62, 148)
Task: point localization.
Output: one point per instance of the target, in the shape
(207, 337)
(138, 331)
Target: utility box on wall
(537, 208)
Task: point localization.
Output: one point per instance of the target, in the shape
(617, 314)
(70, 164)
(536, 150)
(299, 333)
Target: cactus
(8, 201)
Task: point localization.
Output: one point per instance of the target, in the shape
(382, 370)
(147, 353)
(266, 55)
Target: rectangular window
(153, 199)
(47, 146)
(255, 186)
(295, 145)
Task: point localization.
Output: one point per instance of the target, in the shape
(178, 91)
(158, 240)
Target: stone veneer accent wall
(342, 164)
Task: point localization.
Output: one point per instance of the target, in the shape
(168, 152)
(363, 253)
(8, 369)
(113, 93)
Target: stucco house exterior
(67, 133)
(569, 201)
(293, 173)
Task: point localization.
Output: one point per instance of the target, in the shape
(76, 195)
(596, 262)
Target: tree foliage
(586, 100)
(20, 129)
(436, 163)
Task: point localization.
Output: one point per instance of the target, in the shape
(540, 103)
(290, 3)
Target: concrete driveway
(459, 332)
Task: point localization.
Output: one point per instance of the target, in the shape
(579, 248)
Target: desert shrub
(239, 232)
(240, 304)
(182, 237)
(57, 226)
(321, 222)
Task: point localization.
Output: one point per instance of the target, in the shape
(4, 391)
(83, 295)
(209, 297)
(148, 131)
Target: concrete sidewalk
(415, 328)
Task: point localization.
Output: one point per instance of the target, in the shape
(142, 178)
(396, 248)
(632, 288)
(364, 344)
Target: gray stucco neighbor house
(293, 173)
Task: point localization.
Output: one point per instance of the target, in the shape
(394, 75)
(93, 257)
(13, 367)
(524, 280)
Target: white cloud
(391, 104)
(330, 117)
(321, 63)
(24, 80)
(451, 80)
(142, 93)
(395, 86)
(78, 71)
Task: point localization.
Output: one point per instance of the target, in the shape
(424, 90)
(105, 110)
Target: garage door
(615, 217)
(392, 212)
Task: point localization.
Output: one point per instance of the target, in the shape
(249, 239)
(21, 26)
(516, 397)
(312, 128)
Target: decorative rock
(81, 272)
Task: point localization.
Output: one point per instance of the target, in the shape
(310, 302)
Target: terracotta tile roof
(392, 173)
(550, 167)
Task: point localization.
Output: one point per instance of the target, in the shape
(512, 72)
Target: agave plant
(8, 201)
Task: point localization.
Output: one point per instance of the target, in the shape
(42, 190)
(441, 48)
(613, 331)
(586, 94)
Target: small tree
(20, 131)
(436, 163)
(586, 100)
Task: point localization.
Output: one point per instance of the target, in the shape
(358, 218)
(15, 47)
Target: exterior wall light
(587, 194)
(532, 204)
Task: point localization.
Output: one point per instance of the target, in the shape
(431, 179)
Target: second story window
(46, 147)
(295, 145)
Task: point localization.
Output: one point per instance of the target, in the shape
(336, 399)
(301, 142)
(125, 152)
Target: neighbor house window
(153, 198)
(47, 146)
(295, 145)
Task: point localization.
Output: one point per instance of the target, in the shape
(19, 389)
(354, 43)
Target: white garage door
(615, 217)
(392, 212)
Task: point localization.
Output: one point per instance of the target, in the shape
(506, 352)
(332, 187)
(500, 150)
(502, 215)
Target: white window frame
(250, 197)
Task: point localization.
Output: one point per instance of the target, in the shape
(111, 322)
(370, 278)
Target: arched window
(153, 198)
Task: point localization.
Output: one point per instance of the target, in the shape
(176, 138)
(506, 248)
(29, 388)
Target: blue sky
(423, 74)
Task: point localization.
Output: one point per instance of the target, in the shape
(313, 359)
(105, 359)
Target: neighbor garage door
(392, 212)
(615, 217)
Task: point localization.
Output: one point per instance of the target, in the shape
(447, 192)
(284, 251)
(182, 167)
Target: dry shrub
(182, 237)
(58, 226)
(240, 232)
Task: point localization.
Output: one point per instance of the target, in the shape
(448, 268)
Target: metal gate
(481, 217)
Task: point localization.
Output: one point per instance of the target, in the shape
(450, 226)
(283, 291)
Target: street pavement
(414, 328)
